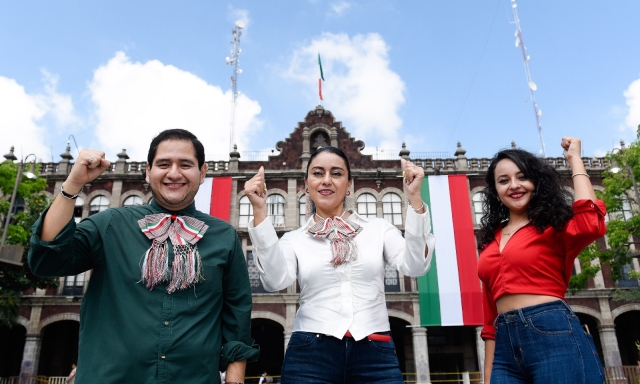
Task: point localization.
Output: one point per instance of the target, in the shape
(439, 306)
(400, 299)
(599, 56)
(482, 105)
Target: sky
(111, 75)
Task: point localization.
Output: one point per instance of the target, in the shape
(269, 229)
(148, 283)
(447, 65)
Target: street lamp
(29, 175)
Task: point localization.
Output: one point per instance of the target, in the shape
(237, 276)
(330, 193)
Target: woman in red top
(528, 241)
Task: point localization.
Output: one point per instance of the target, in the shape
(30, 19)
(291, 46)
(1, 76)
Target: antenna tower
(532, 86)
(234, 61)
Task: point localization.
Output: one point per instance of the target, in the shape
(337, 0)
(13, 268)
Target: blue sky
(113, 74)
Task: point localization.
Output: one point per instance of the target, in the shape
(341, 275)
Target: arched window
(392, 208)
(132, 200)
(73, 285)
(366, 205)
(98, 204)
(246, 212)
(77, 209)
(625, 213)
(477, 206)
(275, 209)
(302, 212)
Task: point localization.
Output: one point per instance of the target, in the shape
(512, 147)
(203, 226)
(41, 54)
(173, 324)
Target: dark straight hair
(335, 151)
(176, 134)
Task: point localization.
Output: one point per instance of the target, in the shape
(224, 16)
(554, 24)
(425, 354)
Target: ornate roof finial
(404, 152)
(460, 152)
(234, 154)
(10, 155)
(123, 155)
(513, 145)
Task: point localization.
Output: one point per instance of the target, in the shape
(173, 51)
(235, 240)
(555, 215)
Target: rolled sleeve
(237, 344)
(67, 254)
(490, 314)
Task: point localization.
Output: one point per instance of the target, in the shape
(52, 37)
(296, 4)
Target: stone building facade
(45, 343)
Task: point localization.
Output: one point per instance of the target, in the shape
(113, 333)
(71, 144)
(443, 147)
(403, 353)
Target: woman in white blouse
(341, 332)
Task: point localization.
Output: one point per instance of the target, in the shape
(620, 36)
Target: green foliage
(579, 281)
(620, 182)
(14, 280)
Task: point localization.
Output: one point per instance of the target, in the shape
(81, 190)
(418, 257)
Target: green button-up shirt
(129, 334)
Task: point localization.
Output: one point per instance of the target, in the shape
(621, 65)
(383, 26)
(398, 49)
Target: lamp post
(28, 174)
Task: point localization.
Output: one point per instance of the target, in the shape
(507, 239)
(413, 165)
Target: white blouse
(349, 297)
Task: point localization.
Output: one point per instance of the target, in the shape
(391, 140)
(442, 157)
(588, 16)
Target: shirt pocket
(204, 295)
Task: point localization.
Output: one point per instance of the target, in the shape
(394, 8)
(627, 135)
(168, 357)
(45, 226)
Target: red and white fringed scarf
(184, 232)
(341, 234)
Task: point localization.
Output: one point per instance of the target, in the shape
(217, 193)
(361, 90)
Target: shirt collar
(353, 217)
(190, 210)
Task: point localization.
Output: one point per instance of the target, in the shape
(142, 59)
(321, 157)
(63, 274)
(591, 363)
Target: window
(275, 209)
(392, 208)
(391, 279)
(132, 200)
(246, 212)
(73, 285)
(302, 204)
(624, 214)
(77, 209)
(626, 281)
(478, 212)
(366, 205)
(98, 204)
(254, 275)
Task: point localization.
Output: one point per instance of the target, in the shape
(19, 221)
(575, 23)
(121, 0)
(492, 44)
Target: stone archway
(59, 348)
(12, 341)
(269, 334)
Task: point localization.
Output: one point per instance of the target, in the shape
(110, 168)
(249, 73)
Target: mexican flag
(450, 292)
(214, 197)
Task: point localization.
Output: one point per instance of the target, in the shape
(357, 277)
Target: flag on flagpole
(214, 197)
(320, 89)
(450, 292)
(320, 64)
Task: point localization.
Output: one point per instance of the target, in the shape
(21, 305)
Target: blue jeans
(544, 343)
(313, 358)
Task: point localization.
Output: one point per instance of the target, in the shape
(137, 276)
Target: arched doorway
(270, 336)
(452, 349)
(628, 333)
(59, 348)
(12, 341)
(592, 325)
(403, 340)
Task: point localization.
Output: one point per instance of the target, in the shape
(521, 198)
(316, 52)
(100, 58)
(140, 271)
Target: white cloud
(360, 87)
(633, 102)
(22, 115)
(340, 8)
(135, 101)
(59, 105)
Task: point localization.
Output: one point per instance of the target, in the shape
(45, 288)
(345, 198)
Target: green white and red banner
(450, 292)
(214, 197)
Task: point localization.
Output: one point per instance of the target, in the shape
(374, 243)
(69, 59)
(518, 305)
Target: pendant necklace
(513, 231)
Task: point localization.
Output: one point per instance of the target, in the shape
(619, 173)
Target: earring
(306, 190)
(348, 193)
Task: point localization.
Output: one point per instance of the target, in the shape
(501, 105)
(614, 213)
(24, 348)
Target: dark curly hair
(549, 205)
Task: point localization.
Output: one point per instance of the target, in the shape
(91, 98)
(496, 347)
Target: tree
(621, 198)
(14, 280)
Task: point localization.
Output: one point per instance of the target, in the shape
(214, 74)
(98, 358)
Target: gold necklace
(513, 231)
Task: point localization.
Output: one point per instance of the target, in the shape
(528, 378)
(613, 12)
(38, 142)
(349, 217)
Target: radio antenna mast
(532, 86)
(234, 61)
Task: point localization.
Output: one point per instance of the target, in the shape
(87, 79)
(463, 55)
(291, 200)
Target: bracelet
(68, 195)
(416, 209)
(234, 382)
(580, 173)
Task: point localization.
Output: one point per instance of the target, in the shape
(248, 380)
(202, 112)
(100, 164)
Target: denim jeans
(313, 358)
(544, 343)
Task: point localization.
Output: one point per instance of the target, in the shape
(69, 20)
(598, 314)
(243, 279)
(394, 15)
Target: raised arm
(583, 190)
(88, 167)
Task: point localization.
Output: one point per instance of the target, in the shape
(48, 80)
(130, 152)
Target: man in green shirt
(169, 299)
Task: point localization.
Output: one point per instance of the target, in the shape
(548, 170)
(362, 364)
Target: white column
(608, 337)
(116, 192)
(31, 353)
(421, 355)
(289, 319)
(291, 205)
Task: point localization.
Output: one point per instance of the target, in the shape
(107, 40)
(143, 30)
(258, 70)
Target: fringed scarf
(184, 232)
(340, 233)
